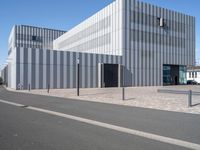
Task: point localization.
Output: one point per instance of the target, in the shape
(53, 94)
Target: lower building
(4, 75)
(193, 74)
(58, 69)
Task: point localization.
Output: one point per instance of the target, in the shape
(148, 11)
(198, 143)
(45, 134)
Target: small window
(195, 74)
(34, 38)
(160, 22)
(192, 74)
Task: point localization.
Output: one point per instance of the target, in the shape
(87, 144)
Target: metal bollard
(78, 79)
(189, 98)
(29, 87)
(123, 93)
(48, 88)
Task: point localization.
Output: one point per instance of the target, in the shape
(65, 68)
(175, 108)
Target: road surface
(36, 122)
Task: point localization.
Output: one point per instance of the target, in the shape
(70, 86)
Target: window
(34, 38)
(190, 75)
(160, 22)
(195, 74)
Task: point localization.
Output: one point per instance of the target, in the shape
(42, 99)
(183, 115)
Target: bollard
(48, 88)
(29, 87)
(189, 98)
(78, 78)
(123, 93)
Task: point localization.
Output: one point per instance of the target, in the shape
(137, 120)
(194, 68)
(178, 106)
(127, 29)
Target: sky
(65, 14)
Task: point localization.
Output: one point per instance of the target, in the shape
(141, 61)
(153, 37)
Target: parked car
(192, 82)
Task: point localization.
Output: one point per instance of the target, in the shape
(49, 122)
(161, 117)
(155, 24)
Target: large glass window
(166, 75)
(182, 75)
(174, 75)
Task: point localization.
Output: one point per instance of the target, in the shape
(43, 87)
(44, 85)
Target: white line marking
(116, 128)
(11, 103)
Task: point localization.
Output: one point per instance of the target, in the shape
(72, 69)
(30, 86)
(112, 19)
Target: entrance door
(110, 75)
(170, 75)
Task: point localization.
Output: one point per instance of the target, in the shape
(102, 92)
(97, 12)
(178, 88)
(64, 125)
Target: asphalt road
(22, 129)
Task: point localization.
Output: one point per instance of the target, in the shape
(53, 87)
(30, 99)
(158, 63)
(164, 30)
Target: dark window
(34, 38)
(158, 21)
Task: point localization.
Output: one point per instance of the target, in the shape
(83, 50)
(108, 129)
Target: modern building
(22, 41)
(4, 74)
(128, 43)
(193, 73)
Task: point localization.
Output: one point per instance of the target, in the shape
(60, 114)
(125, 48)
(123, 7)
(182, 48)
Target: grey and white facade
(24, 38)
(153, 45)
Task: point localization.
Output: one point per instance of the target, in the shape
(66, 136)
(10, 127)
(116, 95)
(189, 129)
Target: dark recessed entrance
(110, 75)
(171, 75)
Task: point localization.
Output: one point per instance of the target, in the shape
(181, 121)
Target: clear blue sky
(64, 14)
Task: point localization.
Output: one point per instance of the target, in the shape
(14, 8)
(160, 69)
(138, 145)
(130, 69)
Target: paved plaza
(146, 97)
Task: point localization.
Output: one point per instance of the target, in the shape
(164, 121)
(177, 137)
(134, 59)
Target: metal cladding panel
(35, 37)
(41, 68)
(40, 78)
(99, 34)
(61, 69)
(54, 69)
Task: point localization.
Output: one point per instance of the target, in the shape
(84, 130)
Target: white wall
(196, 78)
(12, 69)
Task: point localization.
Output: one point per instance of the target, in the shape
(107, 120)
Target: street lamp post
(78, 78)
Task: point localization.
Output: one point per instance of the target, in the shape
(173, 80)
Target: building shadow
(129, 99)
(94, 94)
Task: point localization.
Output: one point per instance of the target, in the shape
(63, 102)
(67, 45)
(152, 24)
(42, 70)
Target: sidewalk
(146, 97)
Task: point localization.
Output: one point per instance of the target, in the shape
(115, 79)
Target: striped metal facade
(99, 34)
(148, 46)
(39, 67)
(126, 32)
(23, 36)
(33, 37)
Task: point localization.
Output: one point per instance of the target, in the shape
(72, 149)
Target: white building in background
(194, 74)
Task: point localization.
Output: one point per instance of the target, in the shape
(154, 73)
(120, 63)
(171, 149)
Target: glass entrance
(174, 75)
